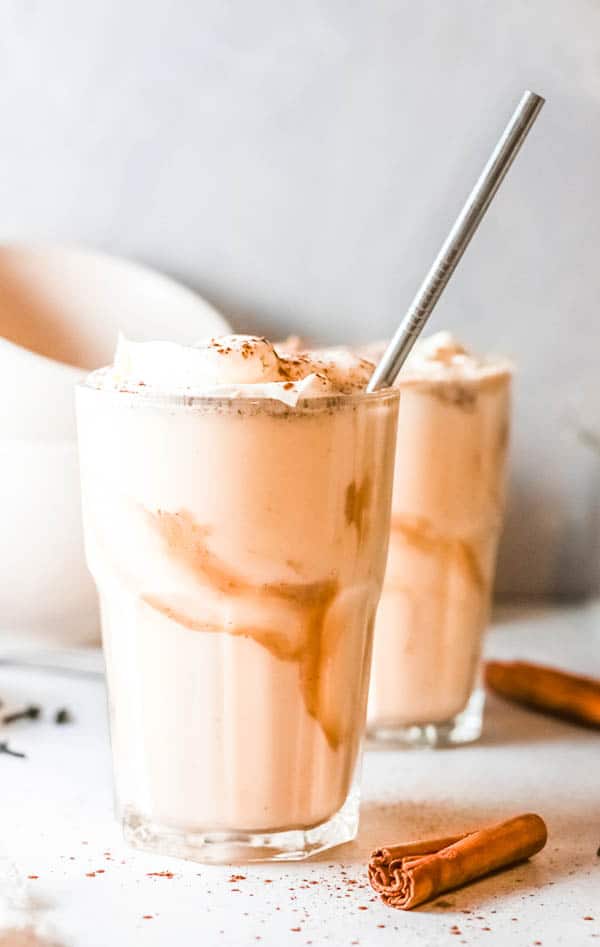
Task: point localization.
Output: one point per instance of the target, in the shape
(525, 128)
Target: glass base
(465, 727)
(236, 848)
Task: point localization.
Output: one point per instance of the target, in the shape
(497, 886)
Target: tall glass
(447, 511)
(238, 547)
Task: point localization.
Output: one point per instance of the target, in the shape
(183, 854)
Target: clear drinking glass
(238, 547)
(447, 511)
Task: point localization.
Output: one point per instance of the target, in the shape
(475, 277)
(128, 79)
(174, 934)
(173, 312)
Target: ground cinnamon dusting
(160, 874)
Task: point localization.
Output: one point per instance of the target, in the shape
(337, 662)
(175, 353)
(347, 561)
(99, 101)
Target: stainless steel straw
(457, 241)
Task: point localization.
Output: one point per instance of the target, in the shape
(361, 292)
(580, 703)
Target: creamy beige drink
(236, 510)
(447, 511)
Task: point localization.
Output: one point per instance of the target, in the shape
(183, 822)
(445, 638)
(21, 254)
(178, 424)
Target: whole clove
(28, 713)
(63, 716)
(4, 748)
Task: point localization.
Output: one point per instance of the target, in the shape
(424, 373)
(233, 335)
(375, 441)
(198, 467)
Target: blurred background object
(300, 165)
(60, 313)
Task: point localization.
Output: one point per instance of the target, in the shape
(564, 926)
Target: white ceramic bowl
(46, 592)
(60, 312)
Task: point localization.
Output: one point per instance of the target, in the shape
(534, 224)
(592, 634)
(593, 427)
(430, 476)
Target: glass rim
(148, 396)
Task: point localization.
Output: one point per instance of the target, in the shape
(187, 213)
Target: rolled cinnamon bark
(407, 875)
(547, 689)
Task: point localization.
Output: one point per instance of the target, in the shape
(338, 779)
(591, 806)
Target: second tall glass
(447, 512)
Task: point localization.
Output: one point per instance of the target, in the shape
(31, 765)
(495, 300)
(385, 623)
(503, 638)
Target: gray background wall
(299, 164)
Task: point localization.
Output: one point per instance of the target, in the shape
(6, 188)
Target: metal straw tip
(457, 240)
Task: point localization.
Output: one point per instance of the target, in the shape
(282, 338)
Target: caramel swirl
(419, 533)
(186, 543)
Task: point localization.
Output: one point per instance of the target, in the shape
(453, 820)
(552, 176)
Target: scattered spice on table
(160, 874)
(32, 712)
(63, 716)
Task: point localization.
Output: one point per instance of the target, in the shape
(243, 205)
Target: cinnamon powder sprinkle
(160, 874)
(32, 877)
(90, 874)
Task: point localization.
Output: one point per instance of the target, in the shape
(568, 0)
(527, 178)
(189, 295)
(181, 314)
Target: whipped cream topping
(233, 366)
(441, 357)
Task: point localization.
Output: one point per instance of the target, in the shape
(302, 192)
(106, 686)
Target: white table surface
(90, 890)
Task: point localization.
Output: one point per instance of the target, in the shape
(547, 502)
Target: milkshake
(236, 511)
(447, 509)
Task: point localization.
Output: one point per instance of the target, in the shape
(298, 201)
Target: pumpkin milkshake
(236, 508)
(447, 510)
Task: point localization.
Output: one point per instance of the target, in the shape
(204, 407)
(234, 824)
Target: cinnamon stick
(407, 875)
(547, 689)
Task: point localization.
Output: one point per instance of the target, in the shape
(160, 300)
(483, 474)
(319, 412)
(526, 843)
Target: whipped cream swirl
(233, 366)
(441, 357)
